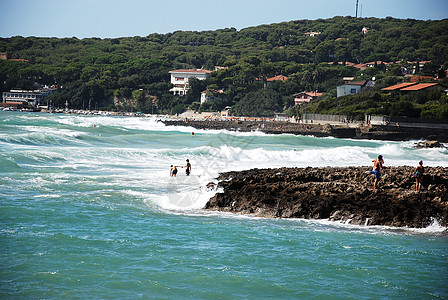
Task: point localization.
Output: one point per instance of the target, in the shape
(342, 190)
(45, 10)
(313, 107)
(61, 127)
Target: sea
(88, 210)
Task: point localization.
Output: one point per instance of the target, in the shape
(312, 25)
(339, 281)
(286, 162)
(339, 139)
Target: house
(353, 87)
(226, 112)
(180, 78)
(5, 56)
(372, 64)
(281, 117)
(348, 79)
(419, 87)
(275, 78)
(408, 87)
(302, 97)
(398, 86)
(351, 64)
(27, 97)
(312, 33)
(209, 95)
(417, 78)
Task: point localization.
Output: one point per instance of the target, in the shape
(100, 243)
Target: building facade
(353, 87)
(180, 78)
(302, 97)
(26, 97)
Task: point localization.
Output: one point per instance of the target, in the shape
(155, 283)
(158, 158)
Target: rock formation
(338, 194)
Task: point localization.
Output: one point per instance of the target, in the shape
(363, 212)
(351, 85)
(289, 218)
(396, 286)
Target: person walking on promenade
(418, 175)
(377, 166)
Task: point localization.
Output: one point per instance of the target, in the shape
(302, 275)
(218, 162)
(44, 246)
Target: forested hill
(98, 70)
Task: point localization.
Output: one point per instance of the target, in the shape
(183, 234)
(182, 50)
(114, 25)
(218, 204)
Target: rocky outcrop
(392, 133)
(428, 144)
(338, 194)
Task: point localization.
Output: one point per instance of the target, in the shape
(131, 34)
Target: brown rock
(336, 194)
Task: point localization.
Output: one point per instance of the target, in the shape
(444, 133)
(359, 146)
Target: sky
(127, 18)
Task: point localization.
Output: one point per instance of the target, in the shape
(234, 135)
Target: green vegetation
(121, 73)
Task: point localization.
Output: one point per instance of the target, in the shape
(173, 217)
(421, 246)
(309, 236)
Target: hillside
(96, 71)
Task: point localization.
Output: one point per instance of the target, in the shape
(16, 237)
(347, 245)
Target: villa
(180, 78)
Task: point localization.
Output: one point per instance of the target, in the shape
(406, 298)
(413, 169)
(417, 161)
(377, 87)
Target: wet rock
(337, 194)
(429, 144)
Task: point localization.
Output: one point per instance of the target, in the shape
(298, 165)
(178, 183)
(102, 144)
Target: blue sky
(112, 18)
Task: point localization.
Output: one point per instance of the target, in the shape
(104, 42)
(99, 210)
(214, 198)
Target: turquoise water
(88, 210)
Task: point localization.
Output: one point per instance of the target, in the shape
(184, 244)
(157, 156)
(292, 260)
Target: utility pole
(357, 8)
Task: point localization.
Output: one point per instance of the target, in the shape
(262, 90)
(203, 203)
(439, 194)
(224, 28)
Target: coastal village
(175, 150)
(35, 100)
(408, 82)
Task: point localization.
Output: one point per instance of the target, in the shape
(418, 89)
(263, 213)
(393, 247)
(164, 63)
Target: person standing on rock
(377, 166)
(418, 175)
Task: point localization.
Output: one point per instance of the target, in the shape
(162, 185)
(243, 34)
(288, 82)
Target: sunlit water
(88, 210)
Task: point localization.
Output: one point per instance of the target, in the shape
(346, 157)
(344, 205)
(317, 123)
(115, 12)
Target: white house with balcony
(27, 97)
(180, 78)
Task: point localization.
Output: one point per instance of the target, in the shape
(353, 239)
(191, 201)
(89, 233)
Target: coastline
(337, 194)
(373, 132)
(352, 131)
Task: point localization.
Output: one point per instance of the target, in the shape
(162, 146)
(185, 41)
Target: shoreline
(352, 131)
(342, 194)
(372, 132)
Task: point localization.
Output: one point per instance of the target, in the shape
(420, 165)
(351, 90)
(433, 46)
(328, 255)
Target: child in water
(173, 171)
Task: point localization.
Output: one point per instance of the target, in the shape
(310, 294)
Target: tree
(263, 103)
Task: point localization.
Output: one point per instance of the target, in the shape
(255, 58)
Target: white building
(32, 98)
(211, 95)
(180, 78)
(353, 87)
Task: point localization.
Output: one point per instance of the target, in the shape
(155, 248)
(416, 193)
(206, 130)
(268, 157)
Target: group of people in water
(378, 165)
(173, 169)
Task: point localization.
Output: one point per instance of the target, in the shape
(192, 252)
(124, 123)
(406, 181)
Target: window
(353, 91)
(179, 78)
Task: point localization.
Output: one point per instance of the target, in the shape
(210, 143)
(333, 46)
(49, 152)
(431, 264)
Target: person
(418, 175)
(377, 166)
(173, 171)
(188, 168)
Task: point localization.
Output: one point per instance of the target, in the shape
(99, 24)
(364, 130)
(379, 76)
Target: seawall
(393, 133)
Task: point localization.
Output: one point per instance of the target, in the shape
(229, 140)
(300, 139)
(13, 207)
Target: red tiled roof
(198, 71)
(415, 78)
(360, 66)
(278, 77)
(398, 86)
(312, 94)
(19, 59)
(418, 87)
(378, 62)
(358, 83)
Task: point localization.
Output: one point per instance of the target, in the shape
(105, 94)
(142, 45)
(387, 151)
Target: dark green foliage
(263, 103)
(93, 71)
